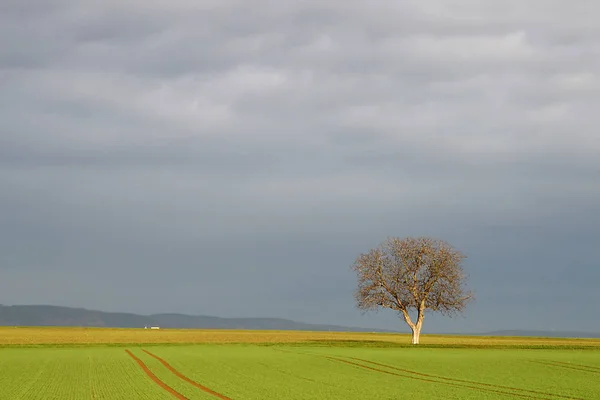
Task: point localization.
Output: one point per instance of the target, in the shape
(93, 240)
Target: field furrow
(186, 379)
(436, 381)
(155, 379)
(469, 382)
(574, 367)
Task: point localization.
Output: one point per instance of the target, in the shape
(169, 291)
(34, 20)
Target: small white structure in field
(155, 327)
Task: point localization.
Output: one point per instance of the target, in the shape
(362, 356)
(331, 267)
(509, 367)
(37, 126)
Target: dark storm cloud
(255, 148)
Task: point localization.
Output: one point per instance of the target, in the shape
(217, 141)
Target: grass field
(65, 363)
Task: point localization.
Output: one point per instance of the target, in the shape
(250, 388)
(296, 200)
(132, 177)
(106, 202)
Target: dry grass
(65, 336)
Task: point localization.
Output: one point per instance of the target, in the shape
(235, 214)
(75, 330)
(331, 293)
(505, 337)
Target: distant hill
(43, 315)
(561, 334)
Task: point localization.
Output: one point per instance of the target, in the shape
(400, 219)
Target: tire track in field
(288, 373)
(155, 378)
(408, 371)
(432, 380)
(185, 378)
(575, 367)
(590, 367)
(284, 372)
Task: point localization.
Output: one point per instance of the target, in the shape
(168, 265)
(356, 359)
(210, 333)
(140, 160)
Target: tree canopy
(412, 274)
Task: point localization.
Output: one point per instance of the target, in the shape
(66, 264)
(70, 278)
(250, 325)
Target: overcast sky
(232, 158)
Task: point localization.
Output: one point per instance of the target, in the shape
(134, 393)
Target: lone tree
(412, 274)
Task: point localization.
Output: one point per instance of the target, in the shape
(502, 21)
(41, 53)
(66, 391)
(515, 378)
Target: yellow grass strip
(67, 335)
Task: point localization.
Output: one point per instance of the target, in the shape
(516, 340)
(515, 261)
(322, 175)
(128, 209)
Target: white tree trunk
(416, 334)
(416, 328)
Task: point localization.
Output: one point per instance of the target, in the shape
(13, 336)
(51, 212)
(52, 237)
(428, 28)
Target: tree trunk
(416, 328)
(416, 334)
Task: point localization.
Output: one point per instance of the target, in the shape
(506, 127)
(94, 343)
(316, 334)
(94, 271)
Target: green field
(310, 369)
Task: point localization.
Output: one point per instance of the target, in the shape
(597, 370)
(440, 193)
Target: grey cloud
(260, 147)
